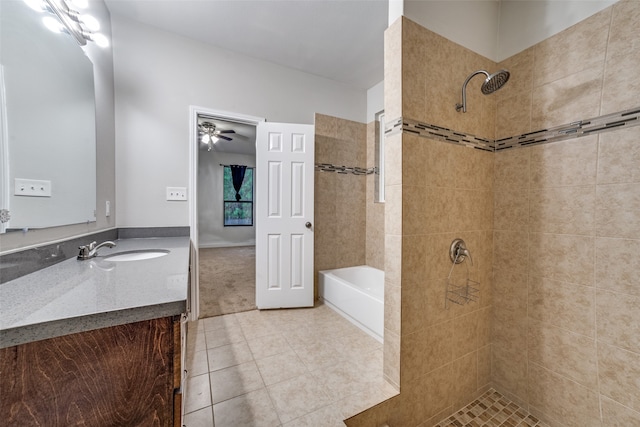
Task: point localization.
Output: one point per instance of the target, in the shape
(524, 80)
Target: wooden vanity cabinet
(127, 375)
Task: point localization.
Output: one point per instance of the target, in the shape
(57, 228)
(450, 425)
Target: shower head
(495, 81)
(492, 83)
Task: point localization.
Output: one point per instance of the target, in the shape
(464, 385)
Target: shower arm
(463, 106)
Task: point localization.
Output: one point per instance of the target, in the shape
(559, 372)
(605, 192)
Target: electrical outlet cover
(32, 187)
(176, 193)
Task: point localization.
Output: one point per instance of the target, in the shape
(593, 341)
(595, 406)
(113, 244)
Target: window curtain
(237, 175)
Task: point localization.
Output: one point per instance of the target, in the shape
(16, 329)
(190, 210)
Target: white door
(284, 215)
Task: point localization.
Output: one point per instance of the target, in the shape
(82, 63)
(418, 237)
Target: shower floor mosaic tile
(491, 409)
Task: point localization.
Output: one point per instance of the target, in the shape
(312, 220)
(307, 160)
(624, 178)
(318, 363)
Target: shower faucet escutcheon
(458, 252)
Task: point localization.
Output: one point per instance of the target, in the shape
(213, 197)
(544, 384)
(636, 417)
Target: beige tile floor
(291, 368)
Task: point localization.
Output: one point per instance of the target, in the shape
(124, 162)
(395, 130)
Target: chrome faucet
(91, 250)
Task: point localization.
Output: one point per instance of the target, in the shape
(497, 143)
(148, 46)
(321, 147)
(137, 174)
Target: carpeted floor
(227, 280)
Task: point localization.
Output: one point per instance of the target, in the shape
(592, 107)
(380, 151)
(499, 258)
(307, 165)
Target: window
(379, 181)
(238, 212)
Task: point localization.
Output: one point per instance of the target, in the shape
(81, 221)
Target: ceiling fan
(210, 135)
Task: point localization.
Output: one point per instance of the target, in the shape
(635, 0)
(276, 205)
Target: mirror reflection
(47, 138)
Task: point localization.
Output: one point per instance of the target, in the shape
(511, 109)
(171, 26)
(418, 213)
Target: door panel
(275, 190)
(297, 189)
(284, 205)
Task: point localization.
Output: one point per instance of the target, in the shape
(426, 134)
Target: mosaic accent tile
(577, 129)
(328, 167)
(431, 131)
(491, 409)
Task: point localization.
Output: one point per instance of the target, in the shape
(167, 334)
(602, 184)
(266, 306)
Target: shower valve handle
(464, 252)
(458, 251)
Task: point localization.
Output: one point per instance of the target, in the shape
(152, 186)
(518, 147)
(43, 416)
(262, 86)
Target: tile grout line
(331, 320)
(488, 402)
(595, 258)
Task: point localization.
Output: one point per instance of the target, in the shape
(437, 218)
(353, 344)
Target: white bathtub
(356, 293)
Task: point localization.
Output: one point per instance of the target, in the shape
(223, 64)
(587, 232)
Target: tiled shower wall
(567, 229)
(435, 192)
(349, 226)
(447, 193)
(566, 288)
(562, 237)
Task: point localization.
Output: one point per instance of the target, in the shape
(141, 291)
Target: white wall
(211, 231)
(158, 75)
(525, 23)
(498, 29)
(470, 23)
(375, 101)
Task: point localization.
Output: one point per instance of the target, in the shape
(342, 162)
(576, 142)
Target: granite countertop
(75, 296)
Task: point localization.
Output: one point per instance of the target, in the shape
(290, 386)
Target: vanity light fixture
(81, 26)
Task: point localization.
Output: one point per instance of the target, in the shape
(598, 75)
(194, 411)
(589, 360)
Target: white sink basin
(137, 255)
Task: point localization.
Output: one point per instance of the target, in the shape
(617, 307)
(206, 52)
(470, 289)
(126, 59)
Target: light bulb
(214, 139)
(91, 23)
(100, 39)
(53, 24)
(204, 139)
(37, 5)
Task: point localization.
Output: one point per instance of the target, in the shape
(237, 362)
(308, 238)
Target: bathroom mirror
(47, 129)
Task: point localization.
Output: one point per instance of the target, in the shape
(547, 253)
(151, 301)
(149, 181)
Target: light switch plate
(32, 187)
(177, 193)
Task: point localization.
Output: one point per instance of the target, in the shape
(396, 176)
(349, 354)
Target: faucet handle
(464, 252)
(458, 252)
(84, 252)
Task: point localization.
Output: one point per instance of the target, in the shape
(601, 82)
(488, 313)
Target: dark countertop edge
(30, 333)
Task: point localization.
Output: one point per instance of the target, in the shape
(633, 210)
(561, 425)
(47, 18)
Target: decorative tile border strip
(393, 127)
(627, 118)
(328, 167)
(447, 135)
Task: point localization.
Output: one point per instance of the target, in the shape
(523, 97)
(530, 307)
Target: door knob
(308, 225)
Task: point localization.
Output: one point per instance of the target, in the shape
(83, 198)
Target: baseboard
(223, 245)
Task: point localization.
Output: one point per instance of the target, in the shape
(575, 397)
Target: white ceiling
(341, 40)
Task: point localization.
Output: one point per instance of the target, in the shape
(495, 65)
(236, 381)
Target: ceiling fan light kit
(210, 135)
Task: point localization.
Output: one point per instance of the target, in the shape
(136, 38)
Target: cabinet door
(117, 376)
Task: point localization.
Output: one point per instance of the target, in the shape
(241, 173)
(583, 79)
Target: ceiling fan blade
(224, 137)
(226, 131)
